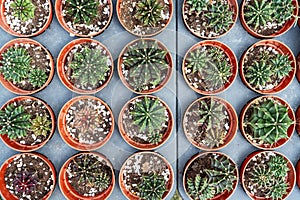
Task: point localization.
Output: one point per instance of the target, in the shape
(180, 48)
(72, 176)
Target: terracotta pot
(232, 3)
(282, 49)
(291, 178)
(5, 192)
(169, 184)
(280, 142)
(119, 14)
(233, 126)
(298, 173)
(222, 196)
(168, 58)
(232, 59)
(62, 22)
(70, 193)
(27, 148)
(298, 67)
(64, 133)
(141, 146)
(7, 28)
(11, 87)
(62, 59)
(289, 24)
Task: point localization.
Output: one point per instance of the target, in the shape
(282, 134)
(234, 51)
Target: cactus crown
(41, 125)
(268, 121)
(198, 5)
(37, 77)
(14, 121)
(82, 11)
(23, 9)
(25, 182)
(146, 63)
(90, 67)
(149, 12)
(152, 186)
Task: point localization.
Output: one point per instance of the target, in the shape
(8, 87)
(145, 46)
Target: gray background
(176, 94)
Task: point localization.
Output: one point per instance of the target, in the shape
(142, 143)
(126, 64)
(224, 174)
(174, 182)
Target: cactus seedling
(23, 9)
(149, 12)
(152, 186)
(25, 182)
(82, 11)
(41, 125)
(199, 188)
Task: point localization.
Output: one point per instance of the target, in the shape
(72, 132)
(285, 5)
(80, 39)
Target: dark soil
(81, 185)
(41, 16)
(127, 15)
(29, 167)
(69, 71)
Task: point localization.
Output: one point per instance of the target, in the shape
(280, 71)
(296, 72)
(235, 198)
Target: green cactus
(278, 165)
(14, 121)
(154, 137)
(176, 196)
(281, 65)
(284, 10)
(145, 62)
(200, 188)
(214, 137)
(102, 180)
(268, 121)
(152, 187)
(259, 74)
(37, 77)
(199, 60)
(23, 9)
(219, 74)
(149, 12)
(198, 6)
(89, 67)
(82, 11)
(41, 125)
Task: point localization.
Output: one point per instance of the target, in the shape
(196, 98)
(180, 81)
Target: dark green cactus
(23, 9)
(198, 61)
(152, 186)
(149, 12)
(14, 121)
(284, 10)
(198, 5)
(89, 67)
(281, 65)
(37, 77)
(41, 125)
(219, 74)
(200, 188)
(82, 11)
(259, 74)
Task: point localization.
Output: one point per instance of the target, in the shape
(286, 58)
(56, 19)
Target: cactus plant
(259, 74)
(90, 67)
(25, 182)
(102, 180)
(198, 5)
(37, 77)
(149, 12)
(145, 62)
(219, 74)
(152, 186)
(200, 189)
(23, 9)
(41, 125)
(199, 60)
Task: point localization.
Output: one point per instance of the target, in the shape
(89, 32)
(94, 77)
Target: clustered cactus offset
(23, 9)
(146, 64)
(41, 125)
(152, 186)
(25, 182)
(149, 12)
(268, 121)
(82, 11)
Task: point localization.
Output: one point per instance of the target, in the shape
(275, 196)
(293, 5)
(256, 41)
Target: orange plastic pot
(282, 49)
(232, 59)
(27, 148)
(70, 193)
(5, 192)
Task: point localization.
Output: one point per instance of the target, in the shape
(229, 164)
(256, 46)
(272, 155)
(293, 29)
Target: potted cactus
(210, 123)
(146, 122)
(26, 123)
(85, 66)
(267, 175)
(267, 19)
(87, 175)
(85, 123)
(210, 175)
(146, 175)
(84, 18)
(267, 122)
(209, 67)
(209, 19)
(25, 18)
(26, 67)
(145, 66)
(144, 17)
(27, 176)
(268, 67)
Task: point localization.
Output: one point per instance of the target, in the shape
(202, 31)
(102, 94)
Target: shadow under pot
(210, 175)
(25, 18)
(26, 123)
(144, 18)
(268, 19)
(85, 123)
(145, 66)
(146, 175)
(146, 122)
(267, 175)
(267, 122)
(268, 67)
(87, 175)
(26, 67)
(84, 18)
(210, 123)
(209, 67)
(210, 19)
(27, 176)
(85, 66)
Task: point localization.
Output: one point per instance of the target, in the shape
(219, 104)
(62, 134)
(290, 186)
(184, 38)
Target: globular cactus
(41, 125)
(152, 186)
(23, 9)
(149, 12)
(25, 182)
(82, 11)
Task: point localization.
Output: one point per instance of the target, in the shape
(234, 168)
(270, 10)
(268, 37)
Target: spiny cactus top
(23, 9)
(145, 65)
(152, 187)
